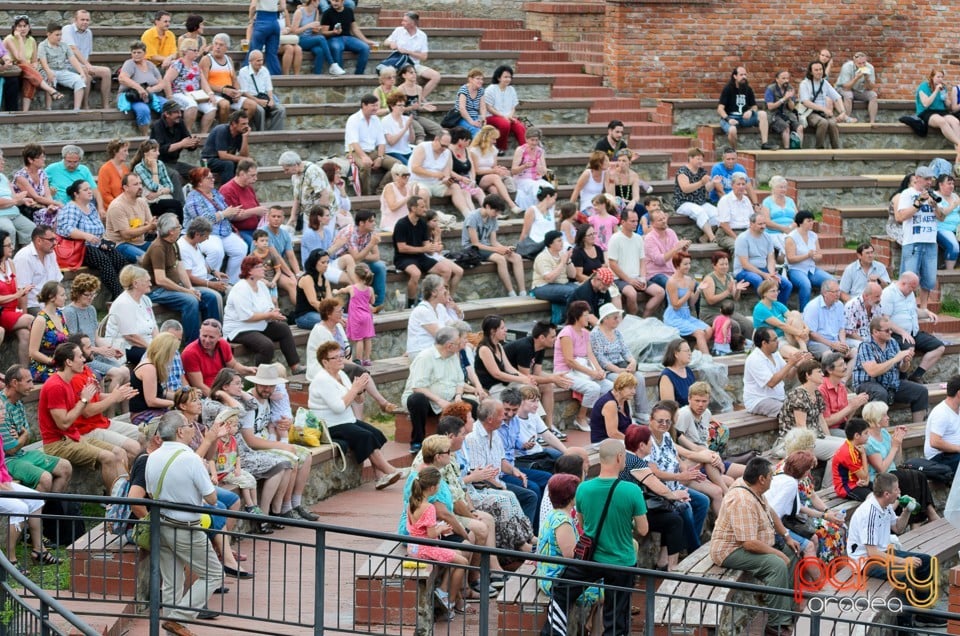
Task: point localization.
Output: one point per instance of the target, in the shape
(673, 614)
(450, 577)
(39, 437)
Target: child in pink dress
(604, 218)
(360, 314)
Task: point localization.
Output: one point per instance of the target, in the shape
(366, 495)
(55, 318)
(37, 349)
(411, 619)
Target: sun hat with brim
(225, 415)
(267, 375)
(607, 309)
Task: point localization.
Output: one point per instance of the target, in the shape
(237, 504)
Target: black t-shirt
(522, 354)
(737, 100)
(345, 17)
(221, 139)
(138, 475)
(580, 258)
(413, 235)
(167, 136)
(586, 292)
(604, 146)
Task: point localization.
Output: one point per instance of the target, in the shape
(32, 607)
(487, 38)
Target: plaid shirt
(355, 240)
(71, 218)
(175, 373)
(871, 351)
(14, 423)
(743, 517)
(199, 205)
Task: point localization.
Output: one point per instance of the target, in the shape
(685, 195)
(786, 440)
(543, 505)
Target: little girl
(276, 272)
(603, 218)
(435, 233)
(422, 522)
(360, 315)
(726, 331)
(568, 223)
(224, 460)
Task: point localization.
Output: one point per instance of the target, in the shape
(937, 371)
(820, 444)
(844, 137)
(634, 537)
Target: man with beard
(738, 107)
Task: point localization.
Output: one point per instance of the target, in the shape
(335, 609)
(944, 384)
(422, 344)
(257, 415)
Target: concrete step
(763, 164)
(543, 56)
(816, 192)
(549, 67)
(565, 92)
(889, 135)
(568, 79)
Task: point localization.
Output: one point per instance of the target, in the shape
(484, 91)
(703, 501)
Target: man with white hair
(410, 40)
(79, 38)
(310, 186)
(256, 85)
(899, 303)
(198, 270)
(62, 174)
(733, 212)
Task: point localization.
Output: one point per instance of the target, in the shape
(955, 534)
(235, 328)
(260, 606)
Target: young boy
(61, 67)
(851, 476)
(225, 466)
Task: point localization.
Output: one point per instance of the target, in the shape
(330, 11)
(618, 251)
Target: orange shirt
(109, 182)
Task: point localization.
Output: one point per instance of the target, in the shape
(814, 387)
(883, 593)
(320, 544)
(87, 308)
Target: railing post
(319, 580)
(155, 585)
(650, 598)
(814, 623)
(44, 619)
(484, 616)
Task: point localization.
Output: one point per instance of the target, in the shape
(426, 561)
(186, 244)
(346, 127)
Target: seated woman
(502, 101)
(615, 358)
(718, 287)
(788, 325)
(610, 416)
(804, 408)
(948, 220)
(778, 210)
(682, 294)
(470, 103)
(312, 289)
(331, 395)
(149, 377)
(677, 376)
(18, 510)
(783, 497)
(206, 201)
(885, 449)
(671, 512)
(553, 272)
(491, 176)
(48, 330)
(14, 319)
(183, 79)
(574, 359)
(393, 200)
(529, 168)
(803, 252)
(79, 220)
(250, 318)
(538, 220)
(591, 181)
(626, 186)
(586, 256)
(112, 171)
(130, 322)
(933, 103)
(398, 128)
(431, 313)
(141, 87)
(493, 369)
(158, 188)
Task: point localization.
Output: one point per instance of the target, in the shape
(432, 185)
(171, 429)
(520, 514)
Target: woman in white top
(398, 128)
(432, 166)
(428, 316)
(491, 177)
(393, 200)
(502, 102)
(537, 221)
(802, 254)
(250, 318)
(592, 180)
(131, 325)
(331, 396)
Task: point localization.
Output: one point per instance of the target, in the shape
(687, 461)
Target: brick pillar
(953, 626)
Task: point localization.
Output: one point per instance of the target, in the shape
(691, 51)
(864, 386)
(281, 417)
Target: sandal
(44, 558)
(21, 569)
(56, 96)
(463, 608)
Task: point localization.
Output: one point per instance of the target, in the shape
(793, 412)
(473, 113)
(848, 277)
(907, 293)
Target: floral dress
(799, 399)
(41, 216)
(52, 336)
(548, 546)
(831, 537)
(258, 463)
(418, 528)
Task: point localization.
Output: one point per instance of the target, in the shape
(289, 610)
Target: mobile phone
(337, 26)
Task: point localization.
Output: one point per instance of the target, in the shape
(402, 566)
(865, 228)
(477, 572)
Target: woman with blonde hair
(788, 325)
(491, 176)
(387, 77)
(183, 78)
(149, 377)
(610, 416)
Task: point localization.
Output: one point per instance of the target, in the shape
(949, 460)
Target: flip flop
(56, 96)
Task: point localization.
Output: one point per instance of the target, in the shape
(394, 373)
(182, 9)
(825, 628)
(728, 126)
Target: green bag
(141, 533)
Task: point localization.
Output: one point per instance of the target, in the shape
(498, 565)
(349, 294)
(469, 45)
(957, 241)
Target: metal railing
(320, 578)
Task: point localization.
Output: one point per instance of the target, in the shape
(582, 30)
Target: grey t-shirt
(755, 248)
(484, 227)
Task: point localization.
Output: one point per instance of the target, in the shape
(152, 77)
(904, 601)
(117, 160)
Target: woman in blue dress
(682, 294)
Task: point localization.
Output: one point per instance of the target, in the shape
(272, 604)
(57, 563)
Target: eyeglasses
(51, 239)
(210, 322)
(190, 50)
(665, 420)
(885, 330)
(89, 294)
(335, 358)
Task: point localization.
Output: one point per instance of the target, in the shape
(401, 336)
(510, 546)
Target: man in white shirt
(898, 301)
(858, 81)
(824, 316)
(36, 264)
(410, 40)
(257, 86)
(941, 441)
(435, 380)
(625, 254)
(764, 373)
(733, 212)
(175, 474)
(79, 38)
(917, 211)
(365, 141)
(195, 262)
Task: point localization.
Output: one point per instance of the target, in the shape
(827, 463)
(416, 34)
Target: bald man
(898, 301)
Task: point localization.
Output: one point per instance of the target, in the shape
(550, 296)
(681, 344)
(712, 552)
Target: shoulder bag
(70, 253)
(655, 502)
(141, 533)
(585, 544)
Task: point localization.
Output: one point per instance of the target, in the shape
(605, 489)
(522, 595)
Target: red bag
(70, 253)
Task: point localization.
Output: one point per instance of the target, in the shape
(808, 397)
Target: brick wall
(687, 48)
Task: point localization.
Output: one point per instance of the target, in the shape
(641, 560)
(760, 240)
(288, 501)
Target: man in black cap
(173, 136)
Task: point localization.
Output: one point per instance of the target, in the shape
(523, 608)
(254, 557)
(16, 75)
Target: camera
(934, 196)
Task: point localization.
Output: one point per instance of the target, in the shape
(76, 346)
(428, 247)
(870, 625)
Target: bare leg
(656, 294)
(764, 125)
(190, 118)
(273, 487)
(433, 78)
(501, 262)
(206, 122)
(60, 478)
(380, 463)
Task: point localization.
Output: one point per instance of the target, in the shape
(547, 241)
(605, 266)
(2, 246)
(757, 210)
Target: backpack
(68, 528)
(930, 469)
(118, 513)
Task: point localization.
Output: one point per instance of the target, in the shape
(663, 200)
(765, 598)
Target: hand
(679, 495)
(361, 381)
(563, 381)
(833, 517)
(122, 392)
(859, 400)
(792, 544)
(523, 479)
(365, 160)
(89, 391)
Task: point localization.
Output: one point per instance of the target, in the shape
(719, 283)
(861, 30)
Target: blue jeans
(379, 269)
(189, 308)
(786, 287)
(266, 38)
(473, 129)
(948, 241)
(317, 44)
(694, 515)
(308, 320)
(658, 279)
(132, 252)
(554, 292)
(805, 282)
(528, 497)
(341, 43)
(404, 159)
(141, 110)
(921, 259)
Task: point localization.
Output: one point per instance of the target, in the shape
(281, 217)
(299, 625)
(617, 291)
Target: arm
(578, 186)
(148, 374)
(611, 420)
(666, 388)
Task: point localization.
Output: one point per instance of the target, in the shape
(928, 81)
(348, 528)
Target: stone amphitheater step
(525, 44)
(763, 164)
(816, 192)
(524, 66)
(860, 135)
(855, 222)
(544, 56)
(566, 92)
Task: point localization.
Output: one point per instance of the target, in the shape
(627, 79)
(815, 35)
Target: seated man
(851, 472)
(858, 81)
(480, 233)
(864, 270)
(941, 442)
(171, 283)
(129, 220)
(869, 533)
(858, 313)
(410, 40)
(256, 86)
(738, 108)
(693, 432)
(361, 245)
(36, 263)
(238, 192)
(514, 443)
(365, 141)
(899, 303)
(174, 137)
(160, 41)
(725, 169)
(61, 67)
(764, 373)
(733, 212)
(660, 245)
(34, 468)
(412, 246)
(626, 258)
(819, 100)
(781, 101)
(753, 259)
(614, 141)
(195, 262)
(79, 38)
(539, 446)
(595, 291)
(744, 539)
(226, 145)
(59, 408)
(878, 369)
(840, 406)
(824, 317)
(526, 355)
(62, 174)
(435, 379)
(207, 355)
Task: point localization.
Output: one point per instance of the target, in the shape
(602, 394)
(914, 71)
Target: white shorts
(334, 273)
(187, 102)
(18, 509)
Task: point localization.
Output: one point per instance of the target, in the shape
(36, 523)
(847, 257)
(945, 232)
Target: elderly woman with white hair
(310, 186)
(778, 211)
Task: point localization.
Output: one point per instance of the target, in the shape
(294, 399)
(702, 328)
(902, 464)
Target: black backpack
(62, 532)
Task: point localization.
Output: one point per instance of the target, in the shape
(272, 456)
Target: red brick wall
(687, 48)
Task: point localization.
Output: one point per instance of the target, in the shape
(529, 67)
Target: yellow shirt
(157, 46)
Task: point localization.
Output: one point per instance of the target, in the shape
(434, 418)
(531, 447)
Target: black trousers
(616, 603)
(108, 263)
(264, 343)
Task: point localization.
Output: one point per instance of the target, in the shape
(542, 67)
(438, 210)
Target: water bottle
(908, 502)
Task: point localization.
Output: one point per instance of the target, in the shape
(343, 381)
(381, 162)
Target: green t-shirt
(615, 546)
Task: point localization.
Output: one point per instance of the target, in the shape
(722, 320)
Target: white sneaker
(336, 70)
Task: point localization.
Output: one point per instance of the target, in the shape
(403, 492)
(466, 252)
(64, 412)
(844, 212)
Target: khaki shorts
(436, 188)
(117, 434)
(85, 453)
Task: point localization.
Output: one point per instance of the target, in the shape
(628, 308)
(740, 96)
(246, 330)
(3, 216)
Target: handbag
(141, 533)
(306, 419)
(395, 60)
(70, 253)
(585, 544)
(798, 525)
(451, 119)
(655, 502)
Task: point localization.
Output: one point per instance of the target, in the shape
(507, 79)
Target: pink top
(5, 477)
(605, 227)
(654, 247)
(721, 331)
(581, 345)
(388, 218)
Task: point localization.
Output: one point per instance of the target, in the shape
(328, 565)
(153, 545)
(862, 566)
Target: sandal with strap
(44, 558)
(21, 569)
(463, 608)
(56, 96)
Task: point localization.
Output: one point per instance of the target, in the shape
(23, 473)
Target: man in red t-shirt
(205, 357)
(851, 475)
(239, 192)
(60, 406)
